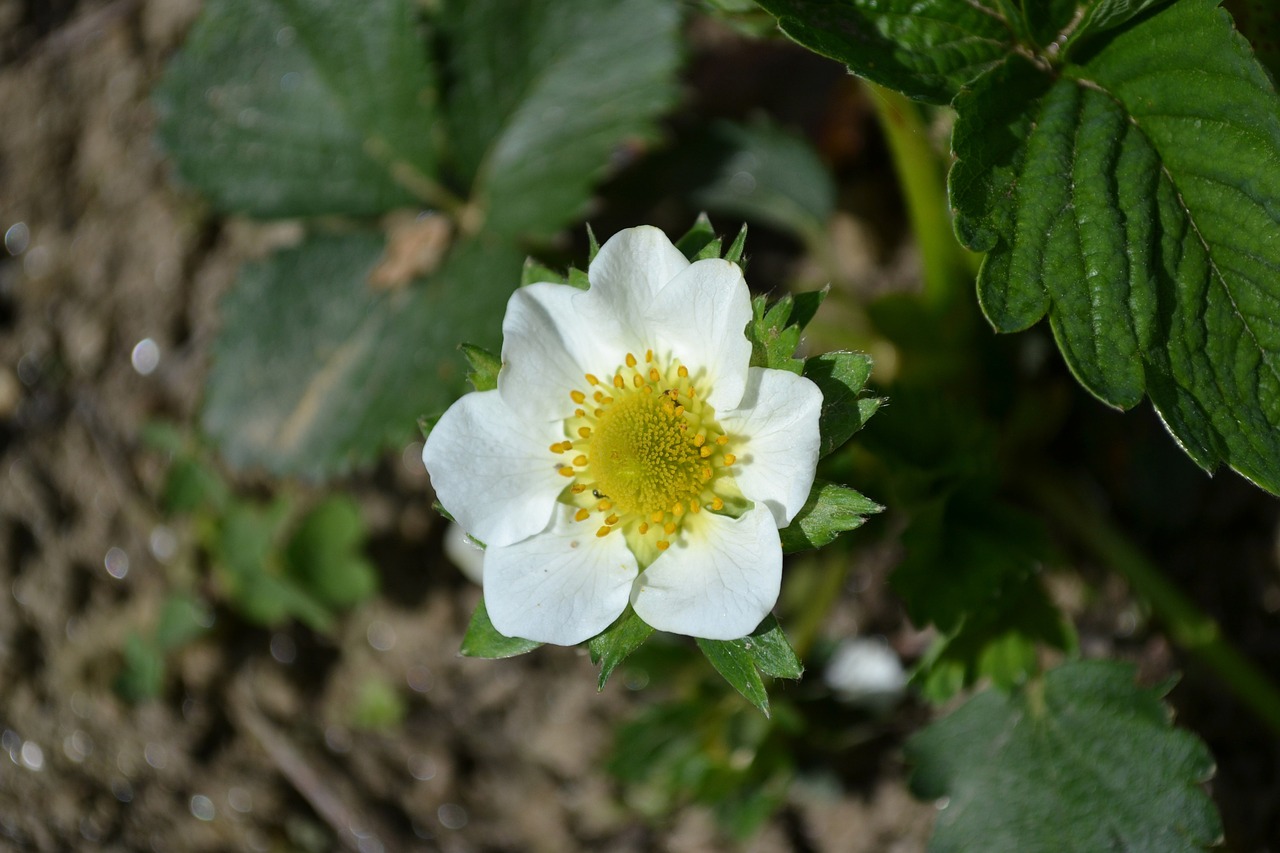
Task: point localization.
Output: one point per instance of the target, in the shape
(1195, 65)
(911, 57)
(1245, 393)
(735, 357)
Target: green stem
(948, 269)
(1187, 625)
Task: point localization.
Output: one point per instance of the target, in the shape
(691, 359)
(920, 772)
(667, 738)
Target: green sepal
(482, 640)
(764, 651)
(736, 248)
(617, 642)
(577, 278)
(484, 367)
(831, 510)
(426, 423)
(535, 273)
(693, 245)
(842, 378)
(593, 245)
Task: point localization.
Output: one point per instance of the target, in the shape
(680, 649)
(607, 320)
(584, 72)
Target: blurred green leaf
(614, 645)
(378, 706)
(543, 93)
(191, 485)
(142, 676)
(324, 555)
(280, 108)
(535, 272)
(829, 511)
(315, 372)
(1083, 759)
(926, 49)
(182, 619)
(765, 175)
(482, 640)
(698, 238)
(842, 378)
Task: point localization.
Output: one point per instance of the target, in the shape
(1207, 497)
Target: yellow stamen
(729, 459)
(605, 505)
(663, 544)
(695, 507)
(669, 528)
(699, 440)
(648, 356)
(585, 432)
(580, 460)
(598, 396)
(578, 396)
(612, 519)
(717, 504)
(603, 531)
(592, 380)
(654, 375)
(566, 471)
(582, 515)
(722, 439)
(682, 372)
(556, 448)
(643, 528)
(631, 360)
(617, 381)
(578, 488)
(580, 413)
(637, 380)
(678, 509)
(657, 517)
(704, 452)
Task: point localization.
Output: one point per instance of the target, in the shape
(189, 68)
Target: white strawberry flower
(630, 453)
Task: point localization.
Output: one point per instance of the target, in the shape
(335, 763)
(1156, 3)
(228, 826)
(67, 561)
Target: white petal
(701, 316)
(775, 432)
(550, 341)
(464, 553)
(563, 585)
(719, 583)
(630, 268)
(492, 470)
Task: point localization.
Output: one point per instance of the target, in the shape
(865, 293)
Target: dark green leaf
(484, 367)
(315, 372)
(1082, 760)
(767, 176)
(1133, 198)
(612, 647)
(324, 555)
(182, 619)
(302, 107)
(771, 651)
(773, 341)
(830, 511)
(927, 49)
(482, 640)
(697, 238)
(1103, 15)
(734, 253)
(191, 485)
(738, 667)
(544, 91)
(842, 378)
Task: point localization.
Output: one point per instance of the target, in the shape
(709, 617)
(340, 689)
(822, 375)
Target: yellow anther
(592, 379)
(682, 372)
(631, 360)
(722, 439)
(678, 509)
(598, 396)
(692, 392)
(606, 401)
(654, 375)
(663, 544)
(580, 413)
(669, 528)
(657, 517)
(566, 471)
(585, 432)
(580, 460)
(648, 389)
(556, 448)
(637, 380)
(605, 505)
(648, 356)
(578, 396)
(612, 519)
(706, 473)
(582, 515)
(603, 531)
(643, 528)
(679, 411)
(699, 439)
(705, 452)
(617, 381)
(729, 459)
(694, 506)
(717, 504)
(578, 488)
(598, 412)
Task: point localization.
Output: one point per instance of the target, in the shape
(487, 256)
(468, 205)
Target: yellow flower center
(645, 452)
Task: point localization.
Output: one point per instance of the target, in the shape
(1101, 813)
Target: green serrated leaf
(544, 91)
(697, 238)
(302, 107)
(773, 342)
(314, 380)
(1102, 15)
(482, 640)
(768, 176)
(927, 49)
(614, 645)
(738, 667)
(829, 511)
(534, 272)
(1133, 198)
(842, 378)
(771, 651)
(484, 367)
(1084, 759)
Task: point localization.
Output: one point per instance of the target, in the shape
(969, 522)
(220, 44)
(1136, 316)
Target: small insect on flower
(630, 453)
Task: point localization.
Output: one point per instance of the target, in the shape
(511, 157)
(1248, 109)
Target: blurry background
(149, 699)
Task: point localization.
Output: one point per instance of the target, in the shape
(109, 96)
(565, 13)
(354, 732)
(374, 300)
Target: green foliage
(542, 93)
(742, 662)
(1083, 759)
(182, 619)
(614, 645)
(482, 640)
(830, 510)
(317, 372)
(774, 330)
(325, 555)
(842, 379)
(378, 706)
(484, 367)
(279, 109)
